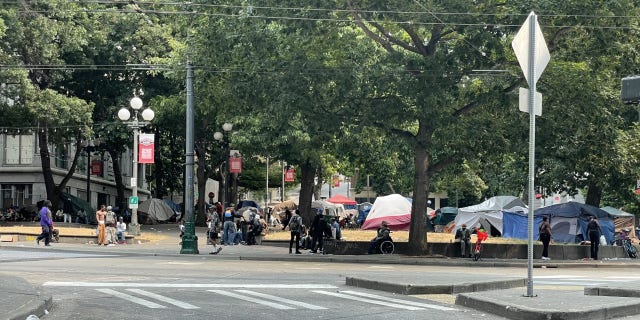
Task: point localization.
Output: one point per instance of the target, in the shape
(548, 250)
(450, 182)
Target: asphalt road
(99, 286)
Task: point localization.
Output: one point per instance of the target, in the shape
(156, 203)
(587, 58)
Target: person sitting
(464, 235)
(335, 225)
(383, 234)
(121, 228)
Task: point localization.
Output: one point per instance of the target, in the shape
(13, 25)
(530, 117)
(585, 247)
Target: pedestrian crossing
(581, 280)
(266, 295)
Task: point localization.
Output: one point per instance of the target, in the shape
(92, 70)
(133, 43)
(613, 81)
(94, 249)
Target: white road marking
(254, 300)
(284, 300)
(569, 283)
(406, 302)
(382, 303)
(186, 285)
(174, 302)
(133, 299)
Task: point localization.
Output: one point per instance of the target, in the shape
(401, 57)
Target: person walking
(46, 222)
(593, 232)
(546, 237)
(101, 216)
(295, 227)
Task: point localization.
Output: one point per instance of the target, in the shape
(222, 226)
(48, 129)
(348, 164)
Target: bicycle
(477, 248)
(629, 248)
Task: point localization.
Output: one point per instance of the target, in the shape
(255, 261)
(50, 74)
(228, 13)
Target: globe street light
(224, 140)
(135, 124)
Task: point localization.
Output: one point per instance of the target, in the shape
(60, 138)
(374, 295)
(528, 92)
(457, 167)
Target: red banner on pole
(96, 167)
(235, 164)
(290, 175)
(146, 148)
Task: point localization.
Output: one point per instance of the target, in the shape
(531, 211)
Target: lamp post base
(134, 229)
(189, 239)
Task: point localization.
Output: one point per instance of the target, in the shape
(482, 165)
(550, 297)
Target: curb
(410, 289)
(24, 299)
(612, 292)
(516, 312)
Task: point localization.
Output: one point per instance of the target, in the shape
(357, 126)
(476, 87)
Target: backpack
(294, 224)
(257, 227)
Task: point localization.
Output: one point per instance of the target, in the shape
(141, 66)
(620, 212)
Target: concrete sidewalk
(500, 295)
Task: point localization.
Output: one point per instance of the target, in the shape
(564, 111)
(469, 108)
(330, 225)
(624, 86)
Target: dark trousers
(295, 236)
(594, 237)
(546, 239)
(316, 239)
(46, 235)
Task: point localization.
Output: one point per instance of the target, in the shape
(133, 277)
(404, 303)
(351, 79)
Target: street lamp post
(224, 139)
(135, 124)
(89, 146)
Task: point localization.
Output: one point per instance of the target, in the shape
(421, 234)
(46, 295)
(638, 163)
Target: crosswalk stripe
(174, 302)
(133, 299)
(185, 285)
(284, 300)
(382, 303)
(406, 302)
(250, 299)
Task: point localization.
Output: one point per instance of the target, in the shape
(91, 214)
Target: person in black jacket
(594, 231)
(317, 229)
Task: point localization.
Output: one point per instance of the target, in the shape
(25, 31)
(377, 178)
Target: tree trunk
(317, 187)
(122, 202)
(45, 158)
(306, 192)
(594, 194)
(159, 167)
(418, 231)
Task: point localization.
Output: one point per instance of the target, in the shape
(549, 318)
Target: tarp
(445, 215)
(343, 200)
(489, 214)
(569, 221)
(248, 203)
(622, 220)
(394, 209)
(152, 211)
(78, 204)
(363, 211)
(328, 208)
(282, 206)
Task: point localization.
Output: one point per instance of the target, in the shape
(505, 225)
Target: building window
(19, 149)
(16, 195)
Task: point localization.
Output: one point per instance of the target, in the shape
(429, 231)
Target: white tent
(328, 208)
(394, 209)
(489, 213)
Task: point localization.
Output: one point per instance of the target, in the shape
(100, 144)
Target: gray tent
(152, 211)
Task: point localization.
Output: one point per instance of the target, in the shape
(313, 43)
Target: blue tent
(569, 221)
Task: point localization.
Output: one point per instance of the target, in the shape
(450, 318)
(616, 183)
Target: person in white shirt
(121, 228)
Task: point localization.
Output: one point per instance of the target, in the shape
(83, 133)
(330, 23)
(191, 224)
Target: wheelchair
(386, 246)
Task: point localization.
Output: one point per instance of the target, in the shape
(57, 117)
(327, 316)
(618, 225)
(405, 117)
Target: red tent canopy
(338, 198)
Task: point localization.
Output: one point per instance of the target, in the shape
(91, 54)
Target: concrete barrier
(489, 250)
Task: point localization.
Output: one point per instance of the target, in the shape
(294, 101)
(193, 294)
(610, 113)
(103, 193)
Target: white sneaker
(546, 258)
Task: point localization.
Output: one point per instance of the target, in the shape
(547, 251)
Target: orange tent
(340, 199)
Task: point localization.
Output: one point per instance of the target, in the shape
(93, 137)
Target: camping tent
(394, 209)
(153, 211)
(489, 214)
(569, 221)
(622, 220)
(248, 203)
(340, 199)
(328, 208)
(445, 215)
(78, 204)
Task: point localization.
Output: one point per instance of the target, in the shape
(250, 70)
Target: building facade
(22, 182)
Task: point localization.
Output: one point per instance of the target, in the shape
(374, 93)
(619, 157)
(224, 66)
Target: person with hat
(383, 234)
(110, 220)
(465, 241)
